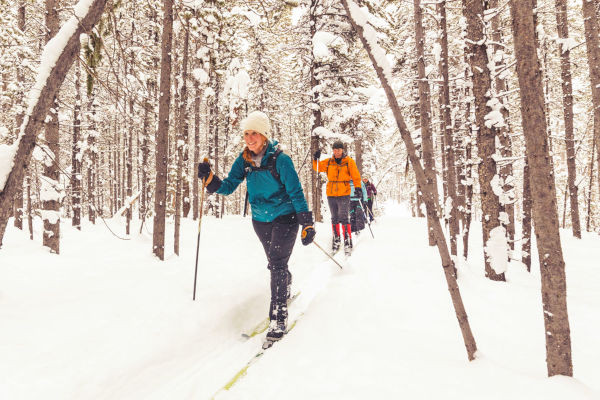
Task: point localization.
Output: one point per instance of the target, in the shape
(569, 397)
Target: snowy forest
(477, 121)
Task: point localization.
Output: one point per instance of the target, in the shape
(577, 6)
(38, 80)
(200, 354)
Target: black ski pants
(339, 206)
(278, 239)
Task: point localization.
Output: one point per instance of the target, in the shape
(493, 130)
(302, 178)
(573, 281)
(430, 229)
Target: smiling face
(337, 153)
(254, 140)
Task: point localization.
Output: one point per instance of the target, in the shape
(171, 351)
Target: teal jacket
(268, 198)
(354, 197)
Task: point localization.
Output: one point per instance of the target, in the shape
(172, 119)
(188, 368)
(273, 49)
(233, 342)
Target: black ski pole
(360, 202)
(199, 231)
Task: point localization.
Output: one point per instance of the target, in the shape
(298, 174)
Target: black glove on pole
(204, 176)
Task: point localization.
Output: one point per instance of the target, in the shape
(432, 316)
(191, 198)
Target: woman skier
(278, 207)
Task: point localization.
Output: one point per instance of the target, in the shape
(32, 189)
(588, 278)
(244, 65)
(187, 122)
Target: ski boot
(336, 242)
(347, 240)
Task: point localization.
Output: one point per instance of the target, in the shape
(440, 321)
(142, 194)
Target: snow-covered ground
(106, 320)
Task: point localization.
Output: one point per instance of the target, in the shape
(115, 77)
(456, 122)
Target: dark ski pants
(278, 239)
(339, 207)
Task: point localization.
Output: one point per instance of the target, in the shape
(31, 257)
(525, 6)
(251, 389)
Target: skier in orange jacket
(340, 170)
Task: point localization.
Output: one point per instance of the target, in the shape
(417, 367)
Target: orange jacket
(339, 175)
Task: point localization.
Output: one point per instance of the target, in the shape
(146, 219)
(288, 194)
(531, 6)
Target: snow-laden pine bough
(57, 57)
(368, 37)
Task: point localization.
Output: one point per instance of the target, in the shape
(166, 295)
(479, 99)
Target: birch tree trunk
(562, 25)
(162, 133)
(543, 193)
(429, 194)
(486, 135)
(39, 108)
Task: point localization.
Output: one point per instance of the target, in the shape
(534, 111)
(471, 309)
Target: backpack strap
(271, 166)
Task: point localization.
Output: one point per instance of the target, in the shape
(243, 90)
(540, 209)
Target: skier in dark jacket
(357, 215)
(278, 207)
(371, 193)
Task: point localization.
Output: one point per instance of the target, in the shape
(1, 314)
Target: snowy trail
(105, 320)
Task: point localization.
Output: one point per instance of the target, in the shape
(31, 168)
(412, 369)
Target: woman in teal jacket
(278, 207)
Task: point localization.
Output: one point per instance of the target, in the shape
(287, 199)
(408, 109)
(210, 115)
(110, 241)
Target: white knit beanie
(257, 121)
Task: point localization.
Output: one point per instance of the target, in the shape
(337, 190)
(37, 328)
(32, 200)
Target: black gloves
(317, 154)
(204, 170)
(308, 230)
(211, 181)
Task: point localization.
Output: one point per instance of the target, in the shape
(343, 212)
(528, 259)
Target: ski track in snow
(106, 320)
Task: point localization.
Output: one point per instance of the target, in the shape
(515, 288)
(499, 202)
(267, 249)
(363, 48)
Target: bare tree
(473, 11)
(543, 192)
(425, 112)
(76, 153)
(562, 25)
(38, 109)
(50, 184)
(428, 192)
(162, 133)
(182, 143)
(592, 42)
(18, 223)
(449, 150)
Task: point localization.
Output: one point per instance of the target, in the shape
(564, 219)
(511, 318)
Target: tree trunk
(567, 89)
(429, 193)
(129, 157)
(50, 182)
(592, 42)
(317, 183)
(162, 134)
(526, 221)
(505, 168)
(76, 153)
(425, 111)
(37, 113)
(447, 130)
(543, 193)
(18, 223)
(588, 225)
(486, 135)
(92, 159)
(198, 95)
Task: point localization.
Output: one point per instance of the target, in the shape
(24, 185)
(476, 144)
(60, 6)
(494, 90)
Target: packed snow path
(106, 320)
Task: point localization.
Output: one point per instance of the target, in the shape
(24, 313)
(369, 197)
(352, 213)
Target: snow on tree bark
(473, 11)
(162, 134)
(543, 193)
(447, 129)
(377, 57)
(57, 58)
(425, 112)
(592, 42)
(562, 25)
